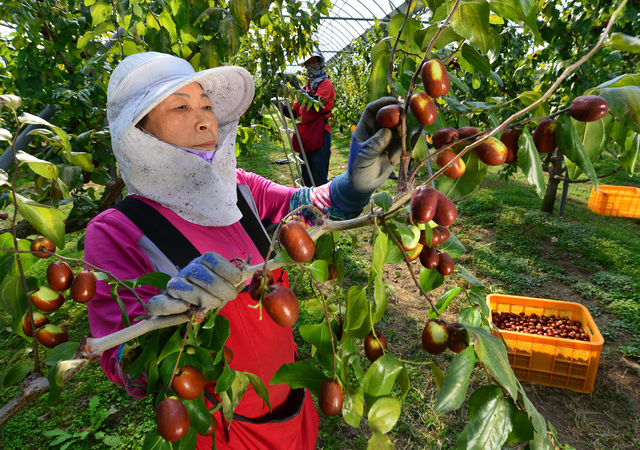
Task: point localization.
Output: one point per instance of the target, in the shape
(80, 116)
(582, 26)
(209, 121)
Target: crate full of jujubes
(549, 342)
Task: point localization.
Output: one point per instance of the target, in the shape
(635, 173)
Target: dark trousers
(318, 161)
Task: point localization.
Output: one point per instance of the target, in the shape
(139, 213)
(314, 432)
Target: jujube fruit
(39, 320)
(188, 382)
(172, 419)
(444, 136)
(446, 212)
(40, 244)
(260, 281)
(213, 427)
(389, 116)
(435, 78)
(59, 276)
(440, 235)
(588, 108)
(330, 398)
(296, 241)
(466, 132)
(455, 170)
(429, 258)
(544, 136)
(435, 336)
(281, 304)
(423, 108)
(228, 354)
(374, 349)
(491, 151)
(46, 299)
(52, 335)
(445, 263)
(424, 200)
(458, 337)
(510, 138)
(83, 287)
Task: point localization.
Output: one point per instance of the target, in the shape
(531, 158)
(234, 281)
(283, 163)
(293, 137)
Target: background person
(173, 134)
(318, 150)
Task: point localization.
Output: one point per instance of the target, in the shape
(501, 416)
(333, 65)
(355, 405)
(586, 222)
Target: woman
(173, 134)
(317, 154)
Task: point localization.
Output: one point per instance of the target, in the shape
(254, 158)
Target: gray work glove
(208, 281)
(374, 154)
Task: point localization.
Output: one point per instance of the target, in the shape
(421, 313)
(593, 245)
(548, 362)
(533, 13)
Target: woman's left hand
(208, 281)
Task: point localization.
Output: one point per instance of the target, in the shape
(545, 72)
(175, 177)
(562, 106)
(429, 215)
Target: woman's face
(185, 119)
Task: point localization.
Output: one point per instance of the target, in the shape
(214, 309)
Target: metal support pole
(565, 192)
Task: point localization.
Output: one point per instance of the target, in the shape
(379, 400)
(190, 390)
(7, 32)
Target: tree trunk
(555, 176)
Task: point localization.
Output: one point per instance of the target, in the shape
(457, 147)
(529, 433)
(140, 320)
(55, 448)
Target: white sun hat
(141, 81)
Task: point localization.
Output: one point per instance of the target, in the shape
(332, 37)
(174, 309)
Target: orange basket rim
(599, 339)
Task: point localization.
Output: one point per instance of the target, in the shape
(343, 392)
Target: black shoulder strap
(172, 242)
(162, 233)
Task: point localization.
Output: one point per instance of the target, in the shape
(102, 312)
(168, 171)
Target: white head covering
(200, 191)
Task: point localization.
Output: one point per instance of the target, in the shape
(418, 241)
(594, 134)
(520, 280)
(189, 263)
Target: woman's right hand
(208, 282)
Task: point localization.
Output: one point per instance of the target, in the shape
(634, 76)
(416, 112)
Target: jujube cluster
(438, 336)
(542, 325)
(436, 83)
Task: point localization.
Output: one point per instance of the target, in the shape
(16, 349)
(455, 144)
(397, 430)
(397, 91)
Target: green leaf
(149, 352)
(153, 441)
(319, 270)
(380, 297)
(259, 388)
(377, 82)
(379, 441)
(13, 299)
(199, 414)
(239, 10)
(319, 336)
(569, 142)
(476, 60)
(47, 220)
(384, 414)
(438, 375)
(14, 374)
(61, 352)
(172, 346)
(624, 42)
(40, 166)
(530, 97)
(300, 374)
(35, 120)
(353, 405)
(381, 376)
(226, 379)
(383, 200)
(491, 417)
(468, 276)
(430, 279)
(100, 11)
(493, 354)
(522, 429)
(356, 321)
(453, 246)
(456, 381)
(379, 252)
(324, 247)
(594, 137)
(624, 103)
(444, 301)
(471, 21)
(82, 160)
(530, 163)
(628, 155)
(12, 102)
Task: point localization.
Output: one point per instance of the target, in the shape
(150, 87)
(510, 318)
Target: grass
(511, 246)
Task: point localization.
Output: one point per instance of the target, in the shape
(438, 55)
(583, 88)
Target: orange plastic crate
(618, 201)
(551, 361)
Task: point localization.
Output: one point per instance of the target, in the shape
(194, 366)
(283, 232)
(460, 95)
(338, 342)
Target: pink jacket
(115, 244)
